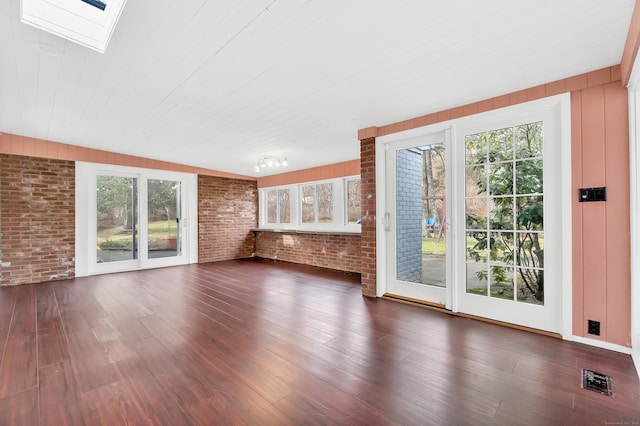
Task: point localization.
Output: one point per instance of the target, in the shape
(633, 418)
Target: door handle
(385, 221)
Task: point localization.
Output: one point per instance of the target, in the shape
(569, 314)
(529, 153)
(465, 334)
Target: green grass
(430, 245)
(118, 237)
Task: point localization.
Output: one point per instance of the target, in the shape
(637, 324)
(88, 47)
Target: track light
(269, 161)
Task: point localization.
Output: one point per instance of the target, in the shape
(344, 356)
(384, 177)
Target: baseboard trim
(600, 344)
(441, 308)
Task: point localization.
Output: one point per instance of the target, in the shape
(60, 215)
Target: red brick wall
(37, 219)
(368, 207)
(227, 212)
(334, 251)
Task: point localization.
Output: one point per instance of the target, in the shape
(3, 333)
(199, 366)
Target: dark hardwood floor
(257, 342)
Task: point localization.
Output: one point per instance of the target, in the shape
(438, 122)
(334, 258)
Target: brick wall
(38, 219)
(227, 212)
(368, 207)
(334, 251)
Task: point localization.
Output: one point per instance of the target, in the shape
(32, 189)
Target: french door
(479, 222)
(510, 240)
(417, 225)
(134, 219)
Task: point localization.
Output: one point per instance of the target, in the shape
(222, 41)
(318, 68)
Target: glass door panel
(505, 219)
(116, 218)
(504, 214)
(164, 238)
(417, 239)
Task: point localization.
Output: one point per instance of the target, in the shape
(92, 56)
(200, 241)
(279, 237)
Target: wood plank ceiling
(219, 84)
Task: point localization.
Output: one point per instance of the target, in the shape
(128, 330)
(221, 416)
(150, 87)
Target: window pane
(353, 201)
(475, 181)
(285, 206)
(501, 179)
(500, 144)
(530, 213)
(117, 219)
(477, 263)
(325, 203)
(308, 201)
(501, 213)
(476, 148)
(530, 249)
(163, 226)
(530, 285)
(529, 176)
(529, 140)
(501, 282)
(502, 247)
(272, 207)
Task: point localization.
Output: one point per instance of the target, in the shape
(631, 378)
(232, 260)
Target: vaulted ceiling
(218, 84)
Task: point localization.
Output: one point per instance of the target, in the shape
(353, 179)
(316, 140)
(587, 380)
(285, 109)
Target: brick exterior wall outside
(333, 251)
(38, 219)
(409, 216)
(227, 212)
(368, 207)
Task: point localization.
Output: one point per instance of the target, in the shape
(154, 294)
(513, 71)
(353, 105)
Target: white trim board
(634, 186)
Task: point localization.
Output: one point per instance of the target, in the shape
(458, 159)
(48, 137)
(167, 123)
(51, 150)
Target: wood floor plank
(262, 342)
(60, 399)
(20, 409)
(52, 342)
(20, 359)
(8, 297)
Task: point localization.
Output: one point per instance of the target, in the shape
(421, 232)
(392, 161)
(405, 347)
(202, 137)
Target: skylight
(86, 22)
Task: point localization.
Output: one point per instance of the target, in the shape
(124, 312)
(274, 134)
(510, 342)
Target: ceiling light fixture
(269, 161)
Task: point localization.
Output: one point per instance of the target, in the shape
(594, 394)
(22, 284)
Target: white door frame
(428, 293)
(563, 103)
(85, 208)
(634, 177)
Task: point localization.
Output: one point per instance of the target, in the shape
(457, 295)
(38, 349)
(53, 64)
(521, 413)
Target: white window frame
(340, 218)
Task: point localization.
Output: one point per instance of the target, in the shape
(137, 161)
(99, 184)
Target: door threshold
(441, 308)
(416, 302)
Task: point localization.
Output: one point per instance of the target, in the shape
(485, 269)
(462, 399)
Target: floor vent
(597, 382)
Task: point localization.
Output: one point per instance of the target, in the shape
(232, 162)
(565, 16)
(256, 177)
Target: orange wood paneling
(631, 46)
(592, 79)
(20, 145)
(5, 142)
(593, 148)
(347, 168)
(594, 214)
(618, 249)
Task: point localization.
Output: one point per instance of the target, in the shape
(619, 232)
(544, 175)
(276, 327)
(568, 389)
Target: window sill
(304, 231)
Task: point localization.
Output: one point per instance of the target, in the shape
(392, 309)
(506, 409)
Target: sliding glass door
(133, 218)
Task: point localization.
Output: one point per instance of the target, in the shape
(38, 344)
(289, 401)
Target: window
(317, 203)
(353, 201)
(278, 206)
(328, 205)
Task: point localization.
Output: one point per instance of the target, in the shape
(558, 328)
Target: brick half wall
(227, 212)
(38, 219)
(333, 251)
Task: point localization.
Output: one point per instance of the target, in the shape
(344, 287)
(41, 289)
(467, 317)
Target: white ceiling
(218, 84)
